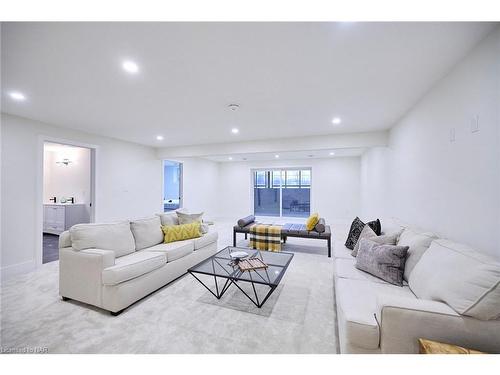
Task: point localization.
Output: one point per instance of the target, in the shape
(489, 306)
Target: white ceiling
(290, 79)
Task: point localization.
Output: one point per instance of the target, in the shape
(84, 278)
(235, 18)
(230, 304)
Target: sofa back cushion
(110, 236)
(147, 232)
(459, 276)
(418, 243)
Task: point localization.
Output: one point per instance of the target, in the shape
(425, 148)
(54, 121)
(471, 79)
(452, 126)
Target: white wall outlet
(474, 124)
(452, 135)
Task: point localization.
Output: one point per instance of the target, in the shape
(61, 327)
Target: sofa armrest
(404, 320)
(80, 273)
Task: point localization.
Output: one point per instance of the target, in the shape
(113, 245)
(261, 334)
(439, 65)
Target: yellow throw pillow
(181, 232)
(312, 221)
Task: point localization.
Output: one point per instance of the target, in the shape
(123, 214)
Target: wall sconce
(64, 161)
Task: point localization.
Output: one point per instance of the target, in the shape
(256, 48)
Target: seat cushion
(131, 266)
(346, 269)
(418, 243)
(341, 251)
(205, 240)
(108, 236)
(147, 232)
(357, 302)
(173, 250)
(468, 281)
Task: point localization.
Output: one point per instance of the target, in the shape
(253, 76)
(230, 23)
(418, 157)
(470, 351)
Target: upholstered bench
(291, 230)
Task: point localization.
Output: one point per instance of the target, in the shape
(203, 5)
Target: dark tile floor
(50, 247)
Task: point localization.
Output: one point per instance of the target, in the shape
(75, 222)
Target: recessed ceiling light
(16, 95)
(276, 156)
(235, 130)
(159, 137)
(130, 67)
(336, 120)
(230, 158)
(332, 153)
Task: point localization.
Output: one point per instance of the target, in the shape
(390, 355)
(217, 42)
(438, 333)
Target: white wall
(200, 186)
(452, 188)
(128, 184)
(64, 181)
(334, 192)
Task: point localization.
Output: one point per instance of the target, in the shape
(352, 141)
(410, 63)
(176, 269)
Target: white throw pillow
(469, 282)
(169, 218)
(418, 242)
(185, 218)
(110, 236)
(147, 232)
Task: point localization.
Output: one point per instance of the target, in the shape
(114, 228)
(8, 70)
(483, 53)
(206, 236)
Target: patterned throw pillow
(312, 221)
(376, 226)
(386, 262)
(181, 232)
(356, 228)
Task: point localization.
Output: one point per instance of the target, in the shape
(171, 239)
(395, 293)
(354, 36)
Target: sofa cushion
(205, 240)
(340, 251)
(173, 250)
(418, 242)
(357, 300)
(110, 236)
(131, 266)
(147, 232)
(463, 278)
(353, 236)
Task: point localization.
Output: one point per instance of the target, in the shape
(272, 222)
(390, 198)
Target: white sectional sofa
(113, 265)
(451, 294)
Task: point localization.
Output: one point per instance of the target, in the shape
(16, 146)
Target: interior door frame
(94, 150)
(181, 182)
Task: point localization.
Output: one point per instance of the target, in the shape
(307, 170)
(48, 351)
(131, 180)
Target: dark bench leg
(246, 236)
(329, 248)
(284, 239)
(234, 238)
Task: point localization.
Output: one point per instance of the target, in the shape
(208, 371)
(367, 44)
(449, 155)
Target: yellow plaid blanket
(265, 237)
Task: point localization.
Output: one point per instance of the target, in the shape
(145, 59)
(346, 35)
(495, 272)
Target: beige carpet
(182, 317)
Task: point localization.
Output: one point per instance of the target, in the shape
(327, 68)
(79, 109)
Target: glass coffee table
(220, 266)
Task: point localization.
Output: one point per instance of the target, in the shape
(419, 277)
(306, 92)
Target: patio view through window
(282, 192)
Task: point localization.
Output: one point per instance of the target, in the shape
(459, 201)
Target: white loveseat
(113, 265)
(451, 294)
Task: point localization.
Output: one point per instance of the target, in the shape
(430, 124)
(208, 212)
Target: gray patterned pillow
(386, 262)
(368, 234)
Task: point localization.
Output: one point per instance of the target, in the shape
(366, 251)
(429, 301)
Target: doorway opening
(67, 192)
(172, 185)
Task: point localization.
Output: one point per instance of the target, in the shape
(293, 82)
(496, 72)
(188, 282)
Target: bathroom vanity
(60, 217)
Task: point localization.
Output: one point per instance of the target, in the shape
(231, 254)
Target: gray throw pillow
(189, 218)
(368, 234)
(386, 262)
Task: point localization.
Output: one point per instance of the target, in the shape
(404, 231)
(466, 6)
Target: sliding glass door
(282, 192)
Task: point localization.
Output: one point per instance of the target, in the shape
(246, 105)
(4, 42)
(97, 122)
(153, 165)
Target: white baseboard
(8, 272)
